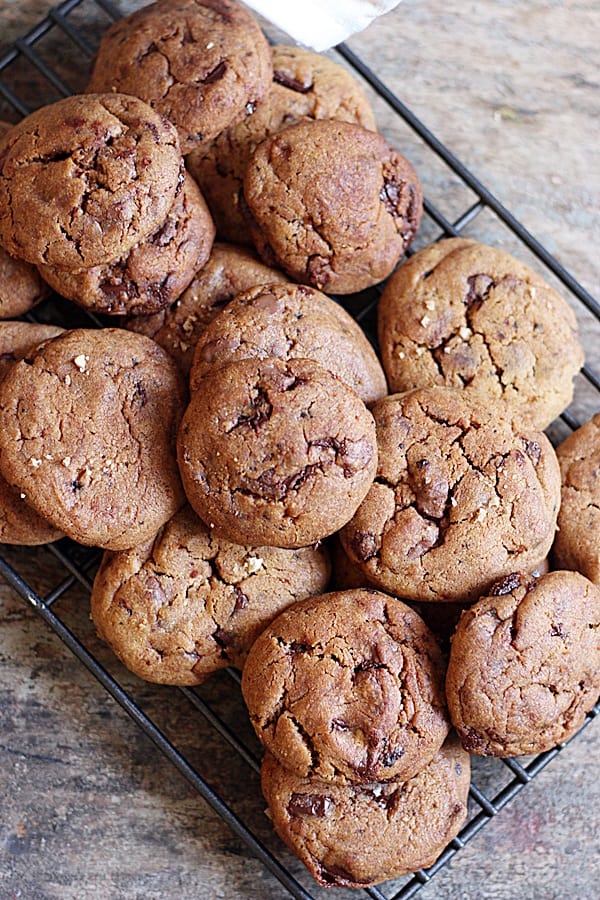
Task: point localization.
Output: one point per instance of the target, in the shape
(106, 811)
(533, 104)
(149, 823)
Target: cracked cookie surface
(229, 271)
(202, 65)
(154, 272)
(288, 321)
(305, 85)
(525, 664)
(348, 687)
(440, 618)
(353, 836)
(459, 500)
(19, 523)
(577, 544)
(474, 318)
(86, 178)
(332, 204)
(185, 604)
(88, 424)
(278, 453)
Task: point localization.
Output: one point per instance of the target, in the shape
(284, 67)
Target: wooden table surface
(88, 807)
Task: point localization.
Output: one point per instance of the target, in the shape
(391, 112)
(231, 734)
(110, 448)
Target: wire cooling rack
(27, 80)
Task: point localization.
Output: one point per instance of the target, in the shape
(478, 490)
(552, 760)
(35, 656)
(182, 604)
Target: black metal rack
(27, 80)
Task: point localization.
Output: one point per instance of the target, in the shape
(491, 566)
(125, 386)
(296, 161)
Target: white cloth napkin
(321, 24)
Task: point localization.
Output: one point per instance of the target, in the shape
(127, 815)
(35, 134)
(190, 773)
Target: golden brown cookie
(460, 498)
(152, 274)
(290, 321)
(348, 687)
(305, 85)
(185, 604)
(202, 64)
(577, 544)
(356, 835)
(332, 204)
(525, 664)
(85, 179)
(229, 271)
(19, 523)
(87, 432)
(471, 317)
(277, 453)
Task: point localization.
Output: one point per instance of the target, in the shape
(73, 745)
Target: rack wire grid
(28, 81)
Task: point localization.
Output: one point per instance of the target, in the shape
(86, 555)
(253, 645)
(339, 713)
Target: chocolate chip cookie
(332, 204)
(577, 544)
(288, 321)
(472, 317)
(348, 687)
(185, 604)
(229, 271)
(460, 498)
(356, 835)
(277, 453)
(87, 432)
(19, 523)
(202, 64)
(525, 664)
(155, 272)
(305, 85)
(85, 179)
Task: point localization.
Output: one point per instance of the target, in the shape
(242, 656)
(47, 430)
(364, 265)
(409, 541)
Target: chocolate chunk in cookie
(155, 272)
(278, 453)
(356, 835)
(87, 432)
(460, 498)
(185, 604)
(290, 321)
(473, 318)
(348, 687)
(525, 664)
(332, 204)
(305, 85)
(85, 179)
(229, 271)
(202, 64)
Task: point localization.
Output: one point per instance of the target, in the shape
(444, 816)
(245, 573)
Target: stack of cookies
(330, 203)
(346, 692)
(229, 506)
